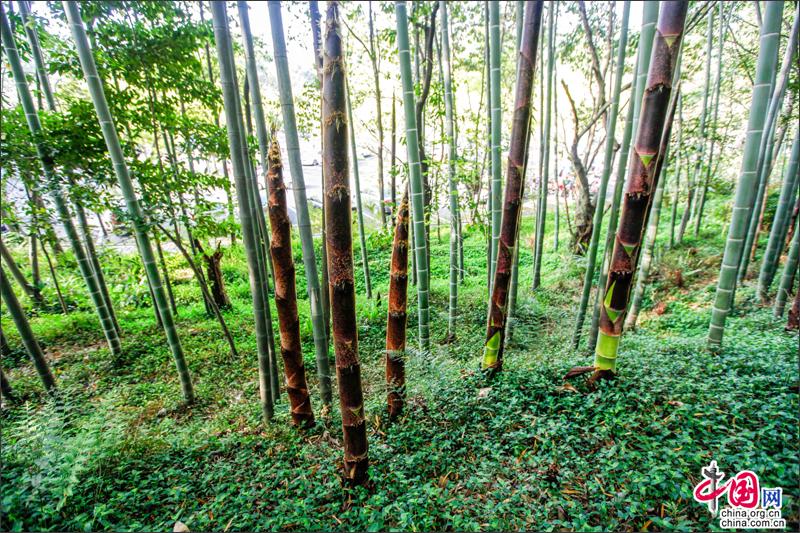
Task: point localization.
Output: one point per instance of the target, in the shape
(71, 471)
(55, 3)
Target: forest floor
(526, 451)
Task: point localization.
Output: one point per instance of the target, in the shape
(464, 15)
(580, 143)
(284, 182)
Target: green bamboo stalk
(415, 178)
(541, 217)
(701, 200)
(46, 159)
(743, 202)
(642, 178)
(676, 186)
(5, 387)
(487, 147)
(25, 332)
(764, 165)
(600, 204)
(517, 157)
(496, 137)
(649, 18)
(316, 30)
(300, 201)
(789, 272)
(132, 204)
(96, 268)
(254, 85)
(452, 158)
(700, 148)
(780, 221)
(36, 52)
(30, 290)
(233, 118)
(262, 254)
(357, 182)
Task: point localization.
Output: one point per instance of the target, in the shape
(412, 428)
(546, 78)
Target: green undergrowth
(118, 451)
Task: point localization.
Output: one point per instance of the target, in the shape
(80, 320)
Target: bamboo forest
(427, 265)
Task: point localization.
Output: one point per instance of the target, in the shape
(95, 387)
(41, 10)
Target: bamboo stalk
(641, 181)
(517, 156)
(340, 252)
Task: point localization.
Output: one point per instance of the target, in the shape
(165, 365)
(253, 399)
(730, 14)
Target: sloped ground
(525, 451)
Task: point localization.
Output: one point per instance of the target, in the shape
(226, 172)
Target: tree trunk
(764, 164)
(744, 198)
(25, 332)
(641, 182)
(397, 318)
(301, 202)
(544, 175)
(236, 140)
(359, 205)
(214, 272)
(700, 202)
(793, 323)
(46, 159)
(123, 177)
(597, 222)
(286, 293)
(789, 272)
(692, 177)
(415, 179)
(769, 264)
(313, 10)
(496, 112)
(373, 57)
(517, 156)
(31, 291)
(5, 387)
(452, 158)
(340, 253)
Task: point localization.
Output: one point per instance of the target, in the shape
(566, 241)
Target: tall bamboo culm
(131, 202)
(414, 178)
(46, 159)
(496, 135)
(744, 197)
(26, 333)
(767, 145)
(235, 130)
(452, 158)
(517, 156)
(300, 201)
(359, 205)
(340, 251)
(642, 179)
(608, 158)
(700, 201)
(541, 215)
(780, 222)
(649, 19)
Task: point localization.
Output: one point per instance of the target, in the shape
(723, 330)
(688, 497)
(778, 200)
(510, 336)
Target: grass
(526, 451)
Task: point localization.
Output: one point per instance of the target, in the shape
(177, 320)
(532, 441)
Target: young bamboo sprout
(517, 155)
(397, 317)
(641, 183)
(286, 292)
(340, 252)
